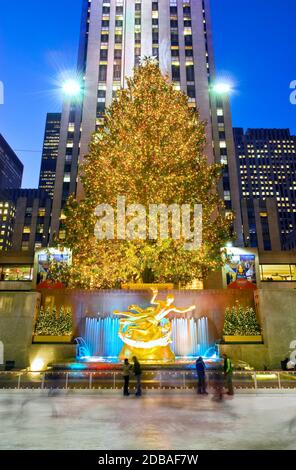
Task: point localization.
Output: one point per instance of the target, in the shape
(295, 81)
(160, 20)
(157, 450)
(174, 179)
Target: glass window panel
(16, 273)
(293, 272)
(276, 272)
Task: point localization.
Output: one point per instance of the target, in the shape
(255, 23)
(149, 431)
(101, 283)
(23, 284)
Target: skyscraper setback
(115, 35)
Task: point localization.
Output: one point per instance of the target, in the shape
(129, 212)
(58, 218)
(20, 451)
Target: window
(104, 37)
(190, 73)
(188, 40)
(191, 91)
(117, 72)
(16, 273)
(174, 39)
(67, 178)
(117, 54)
(104, 54)
(103, 73)
(155, 37)
(278, 272)
(176, 73)
(41, 212)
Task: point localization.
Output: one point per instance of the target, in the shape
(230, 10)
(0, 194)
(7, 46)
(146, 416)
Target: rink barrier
(159, 380)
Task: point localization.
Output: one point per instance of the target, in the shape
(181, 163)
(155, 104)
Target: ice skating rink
(94, 421)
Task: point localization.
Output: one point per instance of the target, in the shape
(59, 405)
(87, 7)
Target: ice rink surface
(160, 421)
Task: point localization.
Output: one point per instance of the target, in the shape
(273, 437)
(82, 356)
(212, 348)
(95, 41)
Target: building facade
(261, 226)
(24, 220)
(11, 168)
(115, 35)
(50, 152)
(267, 169)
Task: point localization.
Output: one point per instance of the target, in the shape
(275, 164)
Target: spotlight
(222, 88)
(72, 88)
(37, 365)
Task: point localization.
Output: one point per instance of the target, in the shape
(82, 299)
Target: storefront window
(16, 273)
(278, 272)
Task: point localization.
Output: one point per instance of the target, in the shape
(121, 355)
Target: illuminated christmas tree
(151, 151)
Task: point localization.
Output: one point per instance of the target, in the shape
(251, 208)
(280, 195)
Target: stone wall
(209, 303)
(276, 310)
(17, 312)
(52, 353)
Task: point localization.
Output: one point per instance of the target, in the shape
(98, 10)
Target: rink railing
(165, 380)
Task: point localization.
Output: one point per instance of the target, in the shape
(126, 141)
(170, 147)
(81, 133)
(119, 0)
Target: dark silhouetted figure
(284, 364)
(201, 375)
(127, 367)
(218, 382)
(138, 373)
(228, 373)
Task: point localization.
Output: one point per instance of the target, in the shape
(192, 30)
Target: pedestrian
(201, 375)
(228, 374)
(284, 364)
(127, 367)
(138, 373)
(218, 382)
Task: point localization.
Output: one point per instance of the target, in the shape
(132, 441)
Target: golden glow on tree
(151, 151)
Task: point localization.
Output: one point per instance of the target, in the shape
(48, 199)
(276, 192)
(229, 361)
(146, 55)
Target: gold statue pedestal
(151, 355)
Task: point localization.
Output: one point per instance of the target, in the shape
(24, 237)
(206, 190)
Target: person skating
(228, 374)
(127, 367)
(201, 375)
(138, 373)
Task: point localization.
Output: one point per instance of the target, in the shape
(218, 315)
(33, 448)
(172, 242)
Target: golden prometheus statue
(147, 333)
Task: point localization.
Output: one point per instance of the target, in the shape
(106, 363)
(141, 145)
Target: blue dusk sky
(254, 44)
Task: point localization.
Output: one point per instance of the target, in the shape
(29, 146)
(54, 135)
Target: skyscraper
(50, 152)
(267, 169)
(11, 168)
(24, 219)
(115, 35)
